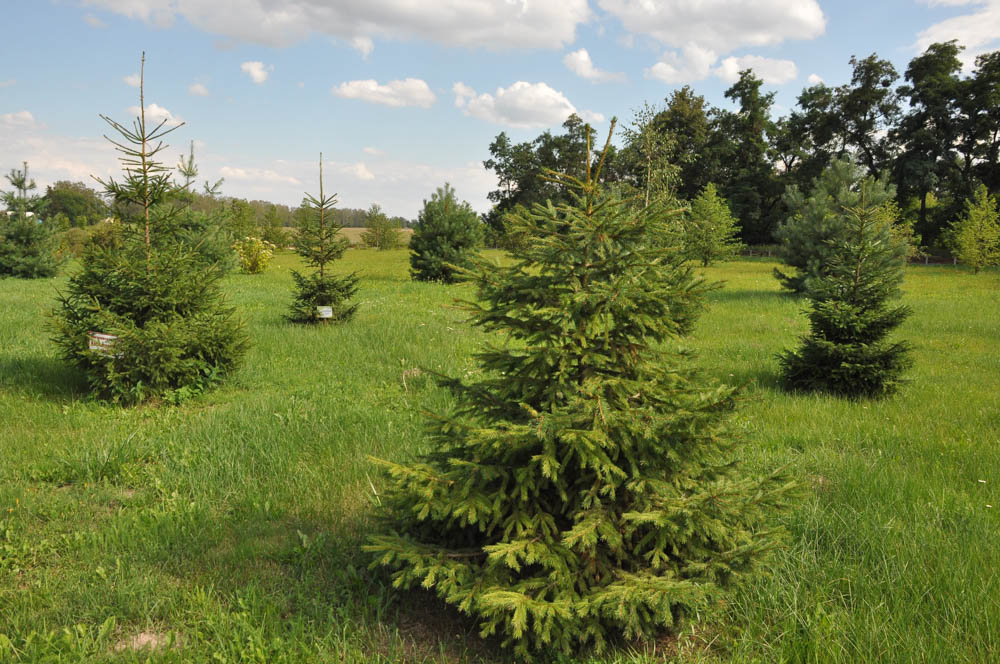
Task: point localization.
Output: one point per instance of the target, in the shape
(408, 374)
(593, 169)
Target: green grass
(231, 525)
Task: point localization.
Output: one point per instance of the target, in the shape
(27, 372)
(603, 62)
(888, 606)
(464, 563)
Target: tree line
(932, 132)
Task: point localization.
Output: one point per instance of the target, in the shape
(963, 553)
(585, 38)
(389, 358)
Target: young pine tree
(170, 333)
(586, 487)
(319, 242)
(28, 246)
(710, 231)
(975, 236)
(846, 351)
(444, 238)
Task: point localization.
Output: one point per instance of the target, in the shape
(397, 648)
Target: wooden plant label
(100, 343)
(324, 312)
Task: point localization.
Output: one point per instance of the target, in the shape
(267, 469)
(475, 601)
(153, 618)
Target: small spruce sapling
(846, 351)
(975, 236)
(28, 245)
(710, 231)
(171, 333)
(586, 487)
(320, 242)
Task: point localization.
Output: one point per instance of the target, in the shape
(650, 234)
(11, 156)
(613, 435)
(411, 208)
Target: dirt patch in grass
(148, 640)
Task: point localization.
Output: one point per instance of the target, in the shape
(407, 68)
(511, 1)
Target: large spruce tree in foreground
(144, 316)
(847, 351)
(321, 296)
(586, 487)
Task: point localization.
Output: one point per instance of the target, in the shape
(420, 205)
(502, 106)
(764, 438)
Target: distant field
(229, 528)
(354, 234)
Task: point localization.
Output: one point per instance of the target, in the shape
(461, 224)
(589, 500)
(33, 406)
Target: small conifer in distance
(975, 236)
(144, 316)
(586, 487)
(321, 296)
(446, 234)
(711, 233)
(28, 246)
(846, 351)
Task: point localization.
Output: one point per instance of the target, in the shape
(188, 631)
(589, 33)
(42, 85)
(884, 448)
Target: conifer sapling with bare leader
(144, 316)
(586, 488)
(321, 296)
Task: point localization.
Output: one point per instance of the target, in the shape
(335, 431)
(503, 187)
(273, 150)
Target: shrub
(320, 242)
(170, 332)
(444, 238)
(585, 488)
(846, 351)
(253, 254)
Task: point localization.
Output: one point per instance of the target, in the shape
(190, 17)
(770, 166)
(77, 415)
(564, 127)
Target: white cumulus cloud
(478, 23)
(814, 79)
(720, 25)
(155, 114)
(770, 70)
(258, 175)
(359, 171)
(698, 32)
(198, 90)
(372, 151)
(94, 22)
(132, 79)
(693, 63)
(257, 70)
(17, 119)
(522, 105)
(579, 63)
(406, 92)
(364, 45)
(978, 31)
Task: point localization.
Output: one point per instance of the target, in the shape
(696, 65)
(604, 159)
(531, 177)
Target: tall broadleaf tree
(319, 242)
(586, 487)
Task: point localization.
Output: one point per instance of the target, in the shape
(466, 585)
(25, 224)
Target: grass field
(228, 529)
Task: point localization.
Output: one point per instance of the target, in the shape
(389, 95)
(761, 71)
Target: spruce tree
(321, 296)
(816, 222)
(710, 231)
(28, 245)
(847, 351)
(975, 236)
(144, 316)
(444, 238)
(586, 487)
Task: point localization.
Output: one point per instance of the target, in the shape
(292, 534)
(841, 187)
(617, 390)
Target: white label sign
(103, 344)
(324, 312)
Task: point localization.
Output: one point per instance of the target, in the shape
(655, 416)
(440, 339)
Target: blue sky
(403, 95)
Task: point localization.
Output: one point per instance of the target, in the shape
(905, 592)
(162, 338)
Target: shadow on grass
(731, 295)
(322, 578)
(40, 376)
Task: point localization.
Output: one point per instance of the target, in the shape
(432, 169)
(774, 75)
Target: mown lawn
(229, 528)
